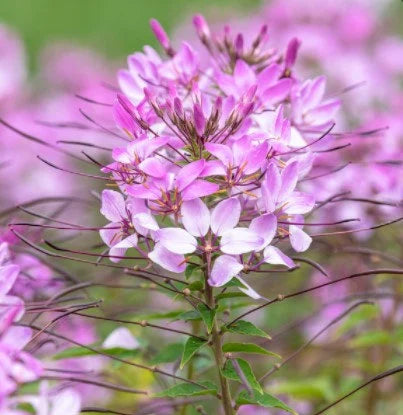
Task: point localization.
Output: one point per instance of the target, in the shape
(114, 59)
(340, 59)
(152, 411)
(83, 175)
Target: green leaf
(82, 351)
(189, 315)
(247, 328)
(247, 348)
(196, 286)
(262, 399)
(371, 338)
(188, 389)
(192, 345)
(168, 354)
(227, 296)
(190, 269)
(364, 313)
(314, 389)
(230, 372)
(207, 315)
(160, 316)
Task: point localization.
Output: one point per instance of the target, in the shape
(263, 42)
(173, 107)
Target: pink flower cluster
(354, 36)
(18, 366)
(215, 151)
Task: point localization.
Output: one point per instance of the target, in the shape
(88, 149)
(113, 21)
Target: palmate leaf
(168, 354)
(230, 372)
(192, 345)
(188, 389)
(247, 348)
(207, 315)
(247, 328)
(262, 399)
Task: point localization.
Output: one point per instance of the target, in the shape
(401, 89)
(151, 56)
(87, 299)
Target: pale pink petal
(270, 74)
(144, 222)
(315, 94)
(119, 249)
(195, 217)
(167, 260)
(153, 167)
(8, 276)
(213, 168)
(199, 188)
(323, 113)
(271, 187)
(222, 152)
(189, 173)
(65, 402)
(113, 206)
(244, 75)
(299, 239)
(239, 241)
(225, 215)
(299, 204)
(277, 92)
(248, 290)
(122, 338)
(289, 178)
(224, 269)
(256, 158)
(176, 240)
(109, 234)
(273, 255)
(264, 226)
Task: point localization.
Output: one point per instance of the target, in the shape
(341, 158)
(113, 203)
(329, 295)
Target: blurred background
(115, 29)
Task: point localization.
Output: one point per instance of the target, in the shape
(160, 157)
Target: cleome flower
(218, 140)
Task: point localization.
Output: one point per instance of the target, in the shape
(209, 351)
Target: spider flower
(212, 168)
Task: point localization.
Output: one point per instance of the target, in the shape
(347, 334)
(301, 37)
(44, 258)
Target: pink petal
(119, 249)
(176, 240)
(270, 74)
(123, 119)
(122, 338)
(264, 226)
(271, 187)
(8, 276)
(144, 222)
(273, 255)
(65, 402)
(315, 94)
(113, 206)
(244, 76)
(222, 152)
(168, 260)
(199, 188)
(195, 217)
(224, 269)
(277, 92)
(109, 233)
(289, 178)
(299, 204)
(323, 113)
(299, 239)
(248, 290)
(256, 158)
(189, 173)
(225, 215)
(239, 241)
(153, 167)
(199, 120)
(213, 168)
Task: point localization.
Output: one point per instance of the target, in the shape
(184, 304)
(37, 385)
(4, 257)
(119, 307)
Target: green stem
(218, 353)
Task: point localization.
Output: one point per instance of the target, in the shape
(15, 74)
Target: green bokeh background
(113, 27)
